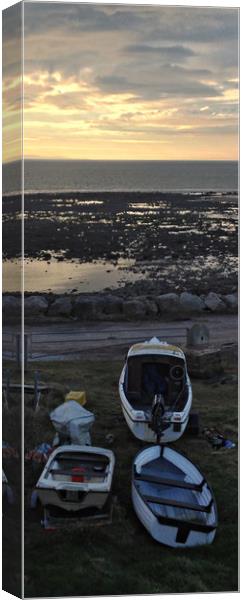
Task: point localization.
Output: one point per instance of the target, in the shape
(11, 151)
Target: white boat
(76, 479)
(172, 499)
(155, 391)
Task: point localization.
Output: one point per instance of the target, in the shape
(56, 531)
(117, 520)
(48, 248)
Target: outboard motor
(157, 413)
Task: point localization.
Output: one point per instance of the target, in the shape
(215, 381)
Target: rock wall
(110, 307)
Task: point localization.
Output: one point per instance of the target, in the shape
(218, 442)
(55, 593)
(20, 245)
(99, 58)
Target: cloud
(161, 81)
(199, 25)
(177, 52)
(147, 32)
(44, 16)
(126, 72)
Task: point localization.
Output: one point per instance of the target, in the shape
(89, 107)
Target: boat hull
(165, 519)
(142, 431)
(90, 500)
(140, 426)
(67, 485)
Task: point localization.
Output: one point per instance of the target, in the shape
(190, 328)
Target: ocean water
(95, 176)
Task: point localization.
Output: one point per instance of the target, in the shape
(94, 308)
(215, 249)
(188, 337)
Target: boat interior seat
(145, 378)
(134, 396)
(137, 400)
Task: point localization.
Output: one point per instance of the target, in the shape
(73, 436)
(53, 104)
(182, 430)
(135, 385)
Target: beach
(148, 242)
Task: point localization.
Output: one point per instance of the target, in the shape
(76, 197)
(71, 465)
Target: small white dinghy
(172, 499)
(76, 479)
(155, 391)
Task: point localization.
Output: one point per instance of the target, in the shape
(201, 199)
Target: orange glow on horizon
(121, 82)
(67, 119)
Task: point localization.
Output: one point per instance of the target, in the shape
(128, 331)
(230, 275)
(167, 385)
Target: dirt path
(104, 340)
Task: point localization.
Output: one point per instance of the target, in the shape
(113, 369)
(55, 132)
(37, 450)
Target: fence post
(19, 350)
(25, 351)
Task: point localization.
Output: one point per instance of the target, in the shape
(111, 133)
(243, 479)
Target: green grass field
(122, 558)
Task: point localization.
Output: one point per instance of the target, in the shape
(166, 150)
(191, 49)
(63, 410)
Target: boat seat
(184, 527)
(178, 503)
(88, 458)
(197, 487)
(69, 471)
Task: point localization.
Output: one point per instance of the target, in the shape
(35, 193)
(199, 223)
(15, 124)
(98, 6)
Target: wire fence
(37, 345)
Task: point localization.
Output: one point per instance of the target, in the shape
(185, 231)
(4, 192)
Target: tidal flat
(80, 242)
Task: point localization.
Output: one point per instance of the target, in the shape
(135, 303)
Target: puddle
(66, 276)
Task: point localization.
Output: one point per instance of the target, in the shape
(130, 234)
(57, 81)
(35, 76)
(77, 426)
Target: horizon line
(32, 158)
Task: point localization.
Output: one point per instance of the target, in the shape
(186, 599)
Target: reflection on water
(59, 275)
(12, 275)
(55, 276)
(146, 207)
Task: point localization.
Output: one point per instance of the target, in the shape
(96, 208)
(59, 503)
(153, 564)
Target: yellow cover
(78, 396)
(160, 347)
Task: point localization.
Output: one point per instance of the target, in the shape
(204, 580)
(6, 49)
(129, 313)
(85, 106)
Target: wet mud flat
(170, 241)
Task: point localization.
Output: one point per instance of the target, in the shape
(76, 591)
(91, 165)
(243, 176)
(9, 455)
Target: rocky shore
(116, 306)
(166, 241)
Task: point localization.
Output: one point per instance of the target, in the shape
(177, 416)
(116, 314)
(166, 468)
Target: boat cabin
(150, 374)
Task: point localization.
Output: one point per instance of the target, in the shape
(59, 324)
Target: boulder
(83, 308)
(231, 300)
(204, 364)
(214, 302)
(229, 356)
(168, 303)
(35, 305)
(89, 307)
(61, 307)
(113, 305)
(98, 307)
(191, 303)
(11, 306)
(151, 307)
(134, 309)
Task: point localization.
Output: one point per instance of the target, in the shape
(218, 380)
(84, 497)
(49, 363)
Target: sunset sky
(123, 82)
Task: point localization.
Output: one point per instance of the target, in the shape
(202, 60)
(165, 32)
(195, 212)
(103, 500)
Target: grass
(122, 558)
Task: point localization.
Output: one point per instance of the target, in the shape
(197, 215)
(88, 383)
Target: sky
(124, 82)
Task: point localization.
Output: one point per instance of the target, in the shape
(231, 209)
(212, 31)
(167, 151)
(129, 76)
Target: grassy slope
(122, 558)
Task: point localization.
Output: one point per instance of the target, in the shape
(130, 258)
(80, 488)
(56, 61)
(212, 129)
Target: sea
(116, 176)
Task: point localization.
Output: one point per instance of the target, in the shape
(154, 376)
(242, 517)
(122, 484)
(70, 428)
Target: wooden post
(19, 350)
(25, 351)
